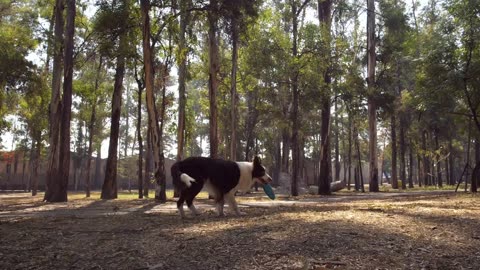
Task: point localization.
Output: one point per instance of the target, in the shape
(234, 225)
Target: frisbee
(269, 191)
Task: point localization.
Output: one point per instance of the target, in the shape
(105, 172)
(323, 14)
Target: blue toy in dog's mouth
(269, 191)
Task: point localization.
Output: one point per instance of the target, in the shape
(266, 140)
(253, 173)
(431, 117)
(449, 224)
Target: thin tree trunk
(148, 164)
(213, 76)
(337, 143)
(419, 171)
(55, 104)
(359, 155)
(91, 129)
(476, 170)
(372, 108)
(127, 121)
(426, 162)
(139, 135)
(410, 171)
(233, 90)
(109, 188)
(403, 175)
(438, 163)
(182, 77)
(394, 151)
(35, 165)
(349, 157)
(278, 161)
(98, 165)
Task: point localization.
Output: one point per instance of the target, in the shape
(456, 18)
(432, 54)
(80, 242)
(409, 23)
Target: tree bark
(233, 90)
(160, 194)
(324, 15)
(182, 76)
(59, 193)
(109, 188)
(213, 76)
(139, 135)
(372, 107)
(148, 164)
(55, 103)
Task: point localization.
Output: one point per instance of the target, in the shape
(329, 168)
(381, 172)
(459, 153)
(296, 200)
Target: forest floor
(416, 230)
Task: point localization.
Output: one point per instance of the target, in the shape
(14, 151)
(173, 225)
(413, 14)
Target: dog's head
(259, 174)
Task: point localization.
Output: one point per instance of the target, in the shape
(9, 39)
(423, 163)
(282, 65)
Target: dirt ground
(427, 230)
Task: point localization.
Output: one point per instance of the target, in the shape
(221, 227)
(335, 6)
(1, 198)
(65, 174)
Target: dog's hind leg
(230, 197)
(180, 201)
(192, 193)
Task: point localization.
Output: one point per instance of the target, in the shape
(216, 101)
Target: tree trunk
(156, 139)
(324, 16)
(278, 161)
(349, 157)
(394, 151)
(410, 171)
(403, 175)
(148, 164)
(98, 165)
(372, 108)
(139, 135)
(91, 130)
(476, 170)
(127, 121)
(337, 144)
(426, 162)
(109, 188)
(212, 76)
(285, 149)
(419, 171)
(182, 77)
(59, 191)
(437, 161)
(233, 90)
(359, 155)
(35, 164)
(55, 104)
(295, 104)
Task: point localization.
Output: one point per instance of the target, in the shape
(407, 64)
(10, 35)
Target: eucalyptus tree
(57, 181)
(325, 18)
(394, 63)
(112, 25)
(372, 106)
(55, 102)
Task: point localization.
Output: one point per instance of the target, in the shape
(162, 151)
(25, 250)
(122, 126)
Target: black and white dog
(221, 178)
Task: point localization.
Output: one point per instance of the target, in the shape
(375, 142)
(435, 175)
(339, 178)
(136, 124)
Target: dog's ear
(256, 160)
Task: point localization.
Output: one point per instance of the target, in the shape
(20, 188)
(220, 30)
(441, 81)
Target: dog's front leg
(219, 206)
(233, 203)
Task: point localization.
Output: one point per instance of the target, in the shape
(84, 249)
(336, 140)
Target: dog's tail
(181, 180)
